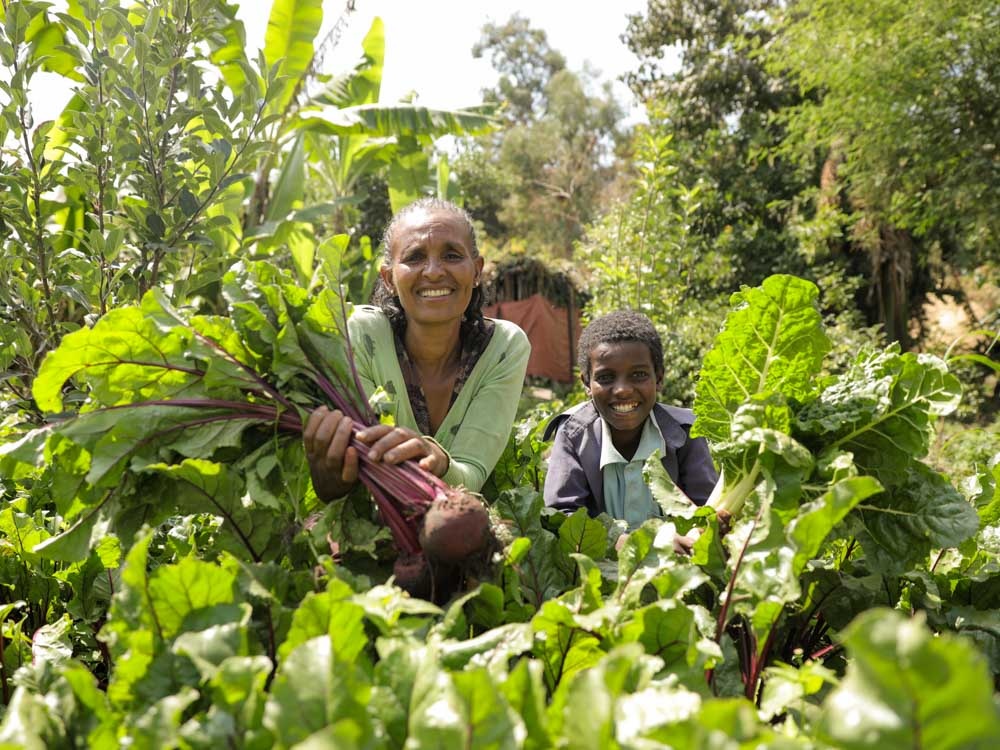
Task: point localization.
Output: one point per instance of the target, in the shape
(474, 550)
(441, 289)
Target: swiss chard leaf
(773, 341)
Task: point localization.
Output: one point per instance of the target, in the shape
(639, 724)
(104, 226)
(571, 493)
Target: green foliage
(222, 627)
(882, 88)
(716, 105)
(540, 179)
(167, 578)
(129, 187)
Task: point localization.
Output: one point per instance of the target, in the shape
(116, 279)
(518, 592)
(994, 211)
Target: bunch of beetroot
(156, 380)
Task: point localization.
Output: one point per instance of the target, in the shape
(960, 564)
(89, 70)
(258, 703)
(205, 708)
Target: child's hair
(616, 327)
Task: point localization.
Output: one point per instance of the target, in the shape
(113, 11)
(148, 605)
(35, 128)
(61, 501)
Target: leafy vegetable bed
(170, 580)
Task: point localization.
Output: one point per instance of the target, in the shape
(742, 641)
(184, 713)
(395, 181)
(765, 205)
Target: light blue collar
(651, 440)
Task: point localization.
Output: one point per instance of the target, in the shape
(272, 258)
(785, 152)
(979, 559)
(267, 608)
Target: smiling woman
(453, 377)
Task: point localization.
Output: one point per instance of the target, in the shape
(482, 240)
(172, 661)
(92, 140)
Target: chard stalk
(731, 497)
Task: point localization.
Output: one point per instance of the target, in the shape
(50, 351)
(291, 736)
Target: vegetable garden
(168, 577)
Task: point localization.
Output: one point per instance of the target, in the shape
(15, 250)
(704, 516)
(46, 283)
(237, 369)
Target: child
(600, 447)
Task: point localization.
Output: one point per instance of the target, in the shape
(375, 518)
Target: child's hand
(683, 545)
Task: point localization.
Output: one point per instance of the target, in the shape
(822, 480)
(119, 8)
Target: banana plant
(334, 138)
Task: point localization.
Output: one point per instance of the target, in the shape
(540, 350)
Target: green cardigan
(476, 428)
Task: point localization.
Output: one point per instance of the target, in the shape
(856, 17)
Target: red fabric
(546, 325)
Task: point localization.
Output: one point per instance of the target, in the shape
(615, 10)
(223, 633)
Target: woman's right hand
(333, 463)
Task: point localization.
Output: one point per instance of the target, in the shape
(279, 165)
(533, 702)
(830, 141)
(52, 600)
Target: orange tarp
(553, 352)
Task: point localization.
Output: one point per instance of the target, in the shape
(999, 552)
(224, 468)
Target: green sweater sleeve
(476, 428)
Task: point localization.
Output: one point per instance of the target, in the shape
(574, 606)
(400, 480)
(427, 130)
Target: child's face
(623, 385)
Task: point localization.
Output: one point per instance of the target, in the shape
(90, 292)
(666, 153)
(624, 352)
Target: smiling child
(600, 447)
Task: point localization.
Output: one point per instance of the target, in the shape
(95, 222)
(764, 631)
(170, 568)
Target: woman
(454, 375)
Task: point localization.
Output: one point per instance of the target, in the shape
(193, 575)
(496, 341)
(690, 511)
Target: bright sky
(429, 43)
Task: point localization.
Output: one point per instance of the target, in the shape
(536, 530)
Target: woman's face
(433, 269)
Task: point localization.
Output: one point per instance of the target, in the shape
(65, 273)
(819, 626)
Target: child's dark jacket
(574, 476)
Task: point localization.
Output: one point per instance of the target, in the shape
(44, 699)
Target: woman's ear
(479, 269)
(586, 383)
(385, 272)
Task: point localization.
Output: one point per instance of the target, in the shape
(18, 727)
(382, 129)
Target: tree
(902, 105)
(540, 179)
(525, 61)
(717, 108)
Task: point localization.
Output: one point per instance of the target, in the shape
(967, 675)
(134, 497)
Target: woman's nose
(433, 266)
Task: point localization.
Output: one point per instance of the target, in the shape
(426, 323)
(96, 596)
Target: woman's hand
(333, 463)
(393, 445)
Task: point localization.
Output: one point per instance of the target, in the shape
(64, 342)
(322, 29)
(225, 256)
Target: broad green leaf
(289, 188)
(907, 688)
(666, 629)
(586, 712)
(880, 410)
(228, 49)
(495, 647)
(671, 499)
(29, 723)
(490, 723)
(238, 684)
(730, 723)
(159, 724)
(198, 486)
(288, 41)
(787, 688)
(396, 672)
(124, 358)
(112, 436)
(59, 137)
(315, 689)
(209, 647)
(330, 613)
(524, 689)
(583, 535)
(773, 342)
(986, 494)
(409, 173)
(180, 594)
(816, 519)
(906, 522)
(363, 84)
(380, 121)
(562, 643)
(544, 572)
(86, 532)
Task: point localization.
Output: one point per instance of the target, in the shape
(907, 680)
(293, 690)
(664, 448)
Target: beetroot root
(455, 528)
(412, 573)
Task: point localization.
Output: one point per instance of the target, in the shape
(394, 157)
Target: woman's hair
(388, 301)
(617, 327)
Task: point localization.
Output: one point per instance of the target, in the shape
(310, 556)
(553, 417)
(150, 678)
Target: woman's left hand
(393, 445)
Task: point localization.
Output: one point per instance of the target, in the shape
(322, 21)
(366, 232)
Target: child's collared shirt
(626, 493)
